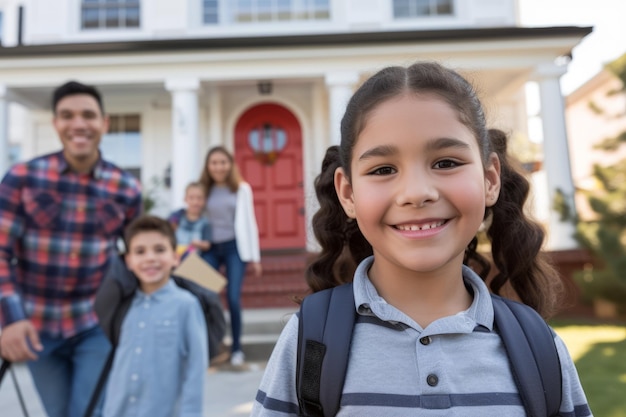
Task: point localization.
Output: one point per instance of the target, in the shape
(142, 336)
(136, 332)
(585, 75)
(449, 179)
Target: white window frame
(432, 12)
(273, 11)
(102, 6)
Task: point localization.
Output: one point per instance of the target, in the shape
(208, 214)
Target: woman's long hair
(232, 180)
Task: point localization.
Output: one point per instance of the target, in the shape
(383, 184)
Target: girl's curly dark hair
(516, 240)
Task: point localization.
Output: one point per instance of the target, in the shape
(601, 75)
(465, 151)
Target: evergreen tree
(605, 234)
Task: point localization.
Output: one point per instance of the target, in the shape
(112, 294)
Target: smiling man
(60, 217)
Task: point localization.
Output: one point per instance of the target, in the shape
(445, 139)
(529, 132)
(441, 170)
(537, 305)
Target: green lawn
(599, 351)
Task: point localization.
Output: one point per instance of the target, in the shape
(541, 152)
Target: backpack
(326, 320)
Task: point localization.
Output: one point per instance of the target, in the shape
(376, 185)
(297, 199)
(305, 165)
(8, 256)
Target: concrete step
(261, 328)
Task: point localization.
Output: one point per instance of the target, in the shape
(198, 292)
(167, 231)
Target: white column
(10, 23)
(215, 118)
(556, 153)
(4, 130)
(314, 154)
(340, 86)
(185, 142)
(317, 147)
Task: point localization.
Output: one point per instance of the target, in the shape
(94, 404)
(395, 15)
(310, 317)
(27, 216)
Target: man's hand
(16, 340)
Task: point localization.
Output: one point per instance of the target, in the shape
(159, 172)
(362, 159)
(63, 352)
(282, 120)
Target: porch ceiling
(114, 94)
(492, 83)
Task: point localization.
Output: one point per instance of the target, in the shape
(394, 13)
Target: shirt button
(142, 324)
(138, 350)
(166, 323)
(146, 305)
(425, 340)
(432, 380)
(132, 399)
(134, 377)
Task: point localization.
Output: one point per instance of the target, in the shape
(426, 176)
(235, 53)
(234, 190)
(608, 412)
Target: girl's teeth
(422, 227)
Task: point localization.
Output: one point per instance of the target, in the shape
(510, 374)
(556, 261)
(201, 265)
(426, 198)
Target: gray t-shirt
(389, 369)
(221, 206)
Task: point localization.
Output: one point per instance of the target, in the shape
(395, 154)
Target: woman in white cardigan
(235, 235)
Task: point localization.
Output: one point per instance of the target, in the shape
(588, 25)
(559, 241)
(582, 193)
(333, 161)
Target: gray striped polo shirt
(456, 366)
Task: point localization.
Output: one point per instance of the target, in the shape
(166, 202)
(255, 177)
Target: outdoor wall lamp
(264, 87)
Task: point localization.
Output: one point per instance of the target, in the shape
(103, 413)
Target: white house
(268, 79)
(594, 113)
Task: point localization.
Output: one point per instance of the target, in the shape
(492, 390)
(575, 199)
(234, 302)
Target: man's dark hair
(148, 223)
(71, 88)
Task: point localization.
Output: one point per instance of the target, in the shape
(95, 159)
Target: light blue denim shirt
(188, 230)
(160, 362)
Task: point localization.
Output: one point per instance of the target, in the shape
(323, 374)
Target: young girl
(403, 197)
(159, 365)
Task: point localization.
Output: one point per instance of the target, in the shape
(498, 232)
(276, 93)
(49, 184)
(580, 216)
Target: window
(422, 8)
(109, 14)
(15, 153)
(267, 142)
(122, 145)
(210, 12)
(253, 11)
(1, 27)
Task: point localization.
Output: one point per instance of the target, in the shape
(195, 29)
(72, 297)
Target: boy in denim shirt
(160, 361)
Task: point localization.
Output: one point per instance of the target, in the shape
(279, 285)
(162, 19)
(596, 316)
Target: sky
(604, 44)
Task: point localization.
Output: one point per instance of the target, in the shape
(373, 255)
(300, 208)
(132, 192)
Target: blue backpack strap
(529, 343)
(175, 217)
(326, 320)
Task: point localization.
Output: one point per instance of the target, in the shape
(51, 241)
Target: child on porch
(193, 231)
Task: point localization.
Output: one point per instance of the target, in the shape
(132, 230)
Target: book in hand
(196, 269)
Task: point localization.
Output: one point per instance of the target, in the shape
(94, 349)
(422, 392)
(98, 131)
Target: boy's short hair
(148, 223)
(71, 88)
(195, 184)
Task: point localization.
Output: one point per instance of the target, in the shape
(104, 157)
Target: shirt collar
(156, 296)
(369, 302)
(482, 308)
(96, 172)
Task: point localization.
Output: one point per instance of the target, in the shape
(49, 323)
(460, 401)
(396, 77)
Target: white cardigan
(246, 229)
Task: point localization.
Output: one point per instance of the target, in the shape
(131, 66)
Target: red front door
(268, 150)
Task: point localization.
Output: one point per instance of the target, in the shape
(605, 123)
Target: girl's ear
(492, 180)
(344, 192)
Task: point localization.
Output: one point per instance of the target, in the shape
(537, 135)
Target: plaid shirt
(57, 229)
